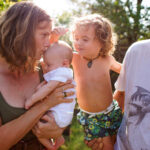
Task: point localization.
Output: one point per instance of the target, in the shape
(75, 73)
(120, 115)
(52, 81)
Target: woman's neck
(4, 66)
(5, 69)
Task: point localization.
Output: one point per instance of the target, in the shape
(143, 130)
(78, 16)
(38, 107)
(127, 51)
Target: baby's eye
(48, 65)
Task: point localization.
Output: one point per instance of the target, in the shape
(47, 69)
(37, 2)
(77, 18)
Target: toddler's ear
(66, 63)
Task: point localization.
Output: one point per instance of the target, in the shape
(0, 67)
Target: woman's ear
(66, 63)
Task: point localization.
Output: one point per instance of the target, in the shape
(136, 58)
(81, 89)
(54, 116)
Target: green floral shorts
(101, 124)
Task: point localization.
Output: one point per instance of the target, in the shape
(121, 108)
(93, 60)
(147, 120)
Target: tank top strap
(40, 72)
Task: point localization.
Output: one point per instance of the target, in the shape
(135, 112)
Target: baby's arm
(41, 93)
(115, 65)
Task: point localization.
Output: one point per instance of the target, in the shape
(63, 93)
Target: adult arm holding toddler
(24, 36)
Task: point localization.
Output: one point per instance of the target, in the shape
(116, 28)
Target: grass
(76, 139)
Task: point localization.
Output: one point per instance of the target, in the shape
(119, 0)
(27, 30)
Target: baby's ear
(66, 63)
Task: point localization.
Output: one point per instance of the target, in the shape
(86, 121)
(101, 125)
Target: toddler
(94, 42)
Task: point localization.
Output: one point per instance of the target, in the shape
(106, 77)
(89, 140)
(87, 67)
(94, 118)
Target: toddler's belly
(94, 104)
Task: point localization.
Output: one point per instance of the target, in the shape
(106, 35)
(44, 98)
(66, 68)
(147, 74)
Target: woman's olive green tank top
(9, 113)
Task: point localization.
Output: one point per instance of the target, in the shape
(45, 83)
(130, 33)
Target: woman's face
(42, 36)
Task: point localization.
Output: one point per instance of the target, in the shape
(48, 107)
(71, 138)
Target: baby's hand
(56, 33)
(29, 103)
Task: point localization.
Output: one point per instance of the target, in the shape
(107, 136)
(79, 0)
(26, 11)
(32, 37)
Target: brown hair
(103, 31)
(17, 30)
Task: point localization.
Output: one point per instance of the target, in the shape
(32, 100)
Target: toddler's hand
(56, 33)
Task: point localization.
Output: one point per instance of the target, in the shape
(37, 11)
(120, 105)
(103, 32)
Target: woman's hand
(95, 144)
(47, 128)
(58, 96)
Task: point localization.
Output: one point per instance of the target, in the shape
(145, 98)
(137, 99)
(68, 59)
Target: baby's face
(85, 41)
(52, 61)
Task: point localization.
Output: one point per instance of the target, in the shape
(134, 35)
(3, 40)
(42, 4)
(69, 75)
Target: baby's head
(102, 32)
(59, 54)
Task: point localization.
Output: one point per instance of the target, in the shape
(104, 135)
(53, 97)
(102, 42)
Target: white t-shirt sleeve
(121, 81)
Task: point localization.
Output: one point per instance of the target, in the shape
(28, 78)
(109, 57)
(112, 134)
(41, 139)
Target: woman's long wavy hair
(17, 31)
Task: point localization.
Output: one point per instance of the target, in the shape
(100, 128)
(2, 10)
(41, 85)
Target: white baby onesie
(63, 113)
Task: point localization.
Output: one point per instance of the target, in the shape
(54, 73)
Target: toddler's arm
(115, 65)
(41, 93)
(56, 33)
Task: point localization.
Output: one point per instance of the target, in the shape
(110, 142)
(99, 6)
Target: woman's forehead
(44, 25)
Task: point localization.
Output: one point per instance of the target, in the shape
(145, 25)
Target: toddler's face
(85, 41)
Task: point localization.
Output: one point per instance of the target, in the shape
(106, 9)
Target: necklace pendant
(89, 64)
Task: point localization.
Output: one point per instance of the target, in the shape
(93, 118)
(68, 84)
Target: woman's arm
(18, 128)
(12, 132)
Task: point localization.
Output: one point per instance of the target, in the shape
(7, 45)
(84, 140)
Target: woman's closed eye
(85, 40)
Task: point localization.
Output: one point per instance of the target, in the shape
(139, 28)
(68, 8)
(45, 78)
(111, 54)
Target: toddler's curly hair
(103, 31)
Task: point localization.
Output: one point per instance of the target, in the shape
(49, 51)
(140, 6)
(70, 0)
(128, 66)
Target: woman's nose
(47, 43)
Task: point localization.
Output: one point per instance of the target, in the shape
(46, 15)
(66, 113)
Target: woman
(24, 35)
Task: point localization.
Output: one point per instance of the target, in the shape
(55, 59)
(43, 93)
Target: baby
(57, 59)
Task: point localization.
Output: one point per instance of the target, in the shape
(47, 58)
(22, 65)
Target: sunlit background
(54, 7)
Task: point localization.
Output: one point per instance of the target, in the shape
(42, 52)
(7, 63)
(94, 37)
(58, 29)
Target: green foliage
(64, 20)
(4, 4)
(76, 139)
(132, 20)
